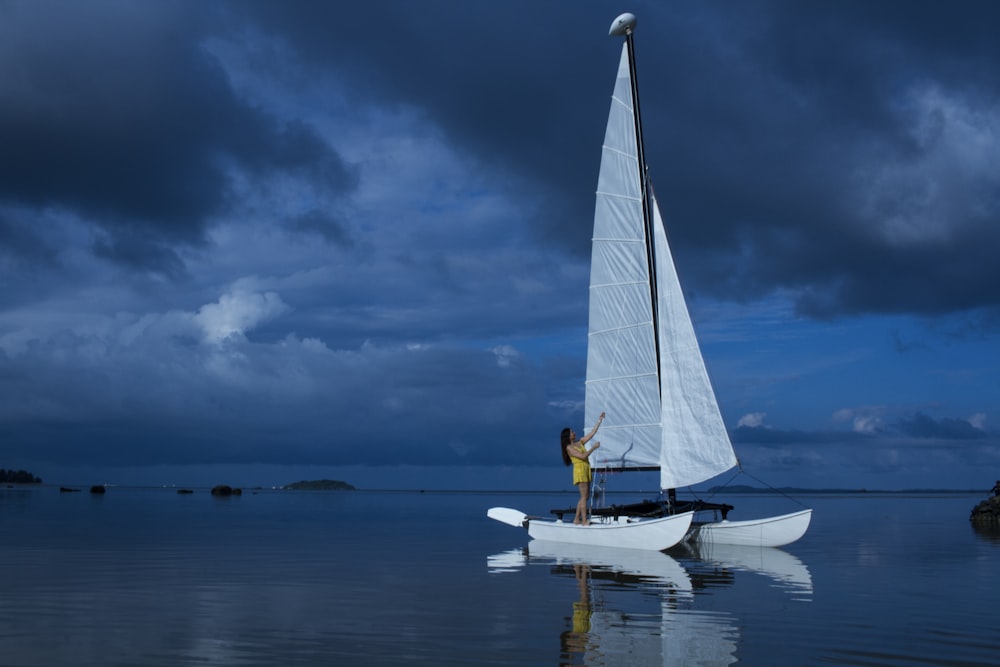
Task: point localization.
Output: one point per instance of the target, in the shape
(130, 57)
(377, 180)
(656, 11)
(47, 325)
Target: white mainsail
(661, 413)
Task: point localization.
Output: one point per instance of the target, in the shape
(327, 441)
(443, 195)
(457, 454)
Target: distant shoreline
(732, 490)
(795, 490)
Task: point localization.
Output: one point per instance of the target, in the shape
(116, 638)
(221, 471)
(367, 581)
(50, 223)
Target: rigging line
(598, 483)
(778, 491)
(631, 445)
(712, 495)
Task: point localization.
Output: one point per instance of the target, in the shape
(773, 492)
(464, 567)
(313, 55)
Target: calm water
(150, 577)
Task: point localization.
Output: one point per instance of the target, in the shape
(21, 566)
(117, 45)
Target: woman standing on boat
(575, 453)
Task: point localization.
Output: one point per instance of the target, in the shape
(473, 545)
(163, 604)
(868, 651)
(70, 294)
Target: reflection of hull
(644, 565)
(774, 531)
(787, 570)
(649, 534)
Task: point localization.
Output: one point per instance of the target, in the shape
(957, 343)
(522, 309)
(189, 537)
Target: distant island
(319, 485)
(18, 477)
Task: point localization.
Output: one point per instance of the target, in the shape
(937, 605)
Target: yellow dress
(581, 468)
(581, 617)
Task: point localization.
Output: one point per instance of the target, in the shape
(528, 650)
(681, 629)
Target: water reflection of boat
(790, 573)
(632, 565)
(610, 624)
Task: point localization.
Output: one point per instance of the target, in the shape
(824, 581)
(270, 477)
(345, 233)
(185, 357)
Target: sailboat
(645, 370)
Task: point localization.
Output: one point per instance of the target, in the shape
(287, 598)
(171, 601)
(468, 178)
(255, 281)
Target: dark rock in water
(987, 513)
(98, 488)
(185, 491)
(226, 490)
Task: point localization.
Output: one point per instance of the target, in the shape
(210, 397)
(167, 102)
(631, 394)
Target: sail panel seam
(637, 325)
(611, 195)
(615, 378)
(621, 284)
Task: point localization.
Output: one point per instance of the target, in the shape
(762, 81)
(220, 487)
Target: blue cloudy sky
(254, 242)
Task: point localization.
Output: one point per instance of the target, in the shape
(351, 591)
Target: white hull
(773, 531)
(656, 534)
(650, 534)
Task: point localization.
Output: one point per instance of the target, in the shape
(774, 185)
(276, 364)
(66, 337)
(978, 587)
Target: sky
(256, 242)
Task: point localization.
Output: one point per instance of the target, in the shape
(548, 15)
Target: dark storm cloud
(324, 224)
(115, 112)
(941, 453)
(358, 232)
(19, 243)
(232, 400)
(759, 435)
(506, 83)
(918, 425)
(787, 141)
(795, 146)
(799, 156)
(925, 426)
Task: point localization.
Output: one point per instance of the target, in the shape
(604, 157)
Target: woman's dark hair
(564, 440)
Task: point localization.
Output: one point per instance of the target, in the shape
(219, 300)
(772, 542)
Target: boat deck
(650, 508)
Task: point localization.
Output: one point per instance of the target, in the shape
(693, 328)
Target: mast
(667, 416)
(624, 25)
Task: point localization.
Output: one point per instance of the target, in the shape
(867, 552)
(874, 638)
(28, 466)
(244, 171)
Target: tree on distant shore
(18, 477)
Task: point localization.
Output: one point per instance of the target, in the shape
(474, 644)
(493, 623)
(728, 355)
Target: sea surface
(142, 576)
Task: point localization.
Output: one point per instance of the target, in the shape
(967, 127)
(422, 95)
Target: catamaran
(644, 365)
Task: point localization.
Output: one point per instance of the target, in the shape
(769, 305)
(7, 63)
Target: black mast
(625, 25)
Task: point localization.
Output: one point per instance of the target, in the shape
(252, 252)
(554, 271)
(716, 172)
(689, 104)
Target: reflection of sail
(788, 571)
(615, 621)
(698, 639)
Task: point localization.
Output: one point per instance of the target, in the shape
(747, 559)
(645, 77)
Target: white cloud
(506, 355)
(862, 420)
(752, 420)
(978, 421)
(236, 313)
